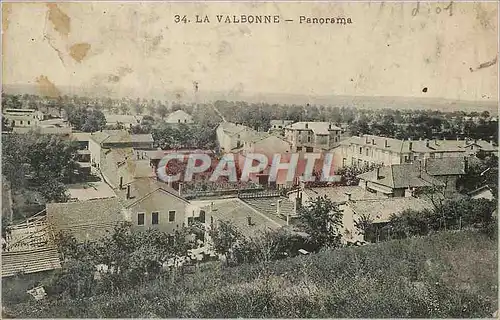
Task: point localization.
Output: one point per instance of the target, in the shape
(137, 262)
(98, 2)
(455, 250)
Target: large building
(109, 139)
(312, 136)
(231, 136)
(22, 117)
(368, 150)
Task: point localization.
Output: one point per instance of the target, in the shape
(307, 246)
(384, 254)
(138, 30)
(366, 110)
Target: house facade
(178, 117)
(23, 117)
(369, 149)
(160, 209)
(231, 136)
(312, 136)
(110, 139)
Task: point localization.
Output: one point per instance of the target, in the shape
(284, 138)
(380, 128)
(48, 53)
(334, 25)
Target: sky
(138, 50)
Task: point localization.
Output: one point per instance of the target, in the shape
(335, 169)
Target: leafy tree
(86, 119)
(139, 108)
(321, 219)
(162, 111)
(224, 236)
(40, 163)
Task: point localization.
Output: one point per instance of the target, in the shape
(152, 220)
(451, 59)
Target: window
(171, 216)
(202, 216)
(21, 122)
(367, 152)
(140, 219)
(360, 150)
(154, 217)
(28, 123)
(308, 139)
(185, 120)
(178, 120)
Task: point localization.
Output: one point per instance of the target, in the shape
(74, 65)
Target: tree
(86, 119)
(224, 236)
(321, 219)
(41, 163)
(139, 108)
(162, 110)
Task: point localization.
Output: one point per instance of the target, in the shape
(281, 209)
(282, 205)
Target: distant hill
(365, 102)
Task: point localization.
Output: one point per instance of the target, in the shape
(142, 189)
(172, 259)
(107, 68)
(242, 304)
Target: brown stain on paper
(6, 11)
(79, 51)
(46, 87)
(59, 19)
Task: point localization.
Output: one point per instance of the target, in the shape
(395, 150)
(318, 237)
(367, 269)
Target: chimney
(249, 219)
(377, 173)
(408, 193)
(373, 141)
(466, 164)
(410, 146)
(180, 189)
(278, 207)
(386, 143)
(348, 194)
(330, 126)
(121, 183)
(128, 192)
(427, 143)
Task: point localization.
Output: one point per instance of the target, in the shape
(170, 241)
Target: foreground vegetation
(449, 274)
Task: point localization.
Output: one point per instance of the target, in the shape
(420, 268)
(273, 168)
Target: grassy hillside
(450, 274)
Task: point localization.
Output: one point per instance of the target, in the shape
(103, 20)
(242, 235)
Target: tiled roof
(119, 136)
(419, 146)
(81, 136)
(90, 190)
(142, 188)
(86, 220)
(232, 129)
(237, 212)
(382, 210)
(111, 136)
(339, 194)
(179, 114)
(147, 138)
(401, 176)
(30, 261)
(116, 163)
(317, 127)
(122, 118)
(280, 122)
(44, 130)
(445, 166)
(269, 206)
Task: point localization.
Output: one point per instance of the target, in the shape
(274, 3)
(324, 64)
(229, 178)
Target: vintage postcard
(249, 159)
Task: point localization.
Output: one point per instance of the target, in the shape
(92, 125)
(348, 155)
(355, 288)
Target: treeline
(400, 124)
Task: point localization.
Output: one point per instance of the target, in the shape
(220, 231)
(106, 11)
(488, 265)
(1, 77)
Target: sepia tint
(249, 159)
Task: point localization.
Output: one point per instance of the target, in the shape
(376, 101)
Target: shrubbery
(414, 278)
(448, 215)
